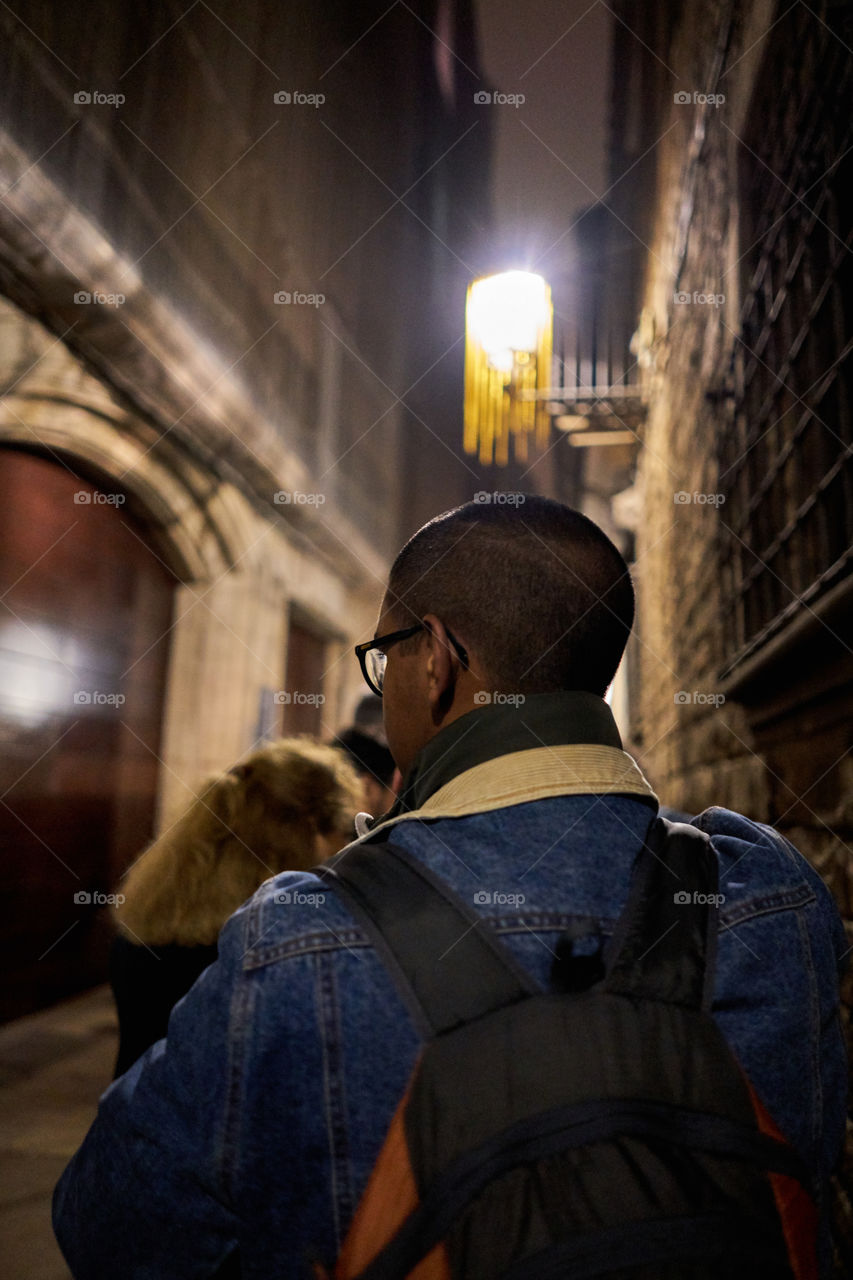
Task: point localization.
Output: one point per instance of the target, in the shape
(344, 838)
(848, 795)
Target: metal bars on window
(786, 456)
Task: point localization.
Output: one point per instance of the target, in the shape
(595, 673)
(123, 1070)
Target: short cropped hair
(536, 589)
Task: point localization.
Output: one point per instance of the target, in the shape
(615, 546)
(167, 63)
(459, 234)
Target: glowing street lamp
(509, 321)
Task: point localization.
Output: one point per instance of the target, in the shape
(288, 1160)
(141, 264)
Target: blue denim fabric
(255, 1124)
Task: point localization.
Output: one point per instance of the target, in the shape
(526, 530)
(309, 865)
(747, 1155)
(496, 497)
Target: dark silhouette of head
(537, 591)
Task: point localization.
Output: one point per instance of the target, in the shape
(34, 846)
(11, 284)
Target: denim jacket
(251, 1130)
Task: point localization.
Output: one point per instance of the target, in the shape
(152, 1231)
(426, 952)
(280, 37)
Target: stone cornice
(153, 361)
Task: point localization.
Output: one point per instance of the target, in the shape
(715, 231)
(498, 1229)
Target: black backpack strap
(446, 963)
(665, 943)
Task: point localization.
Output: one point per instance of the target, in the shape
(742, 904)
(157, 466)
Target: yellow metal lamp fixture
(509, 321)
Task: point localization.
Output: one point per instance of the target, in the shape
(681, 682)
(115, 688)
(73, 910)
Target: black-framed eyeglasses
(372, 655)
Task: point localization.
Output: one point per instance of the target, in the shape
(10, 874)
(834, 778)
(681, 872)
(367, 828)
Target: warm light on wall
(508, 326)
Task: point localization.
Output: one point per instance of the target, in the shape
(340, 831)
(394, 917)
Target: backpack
(601, 1131)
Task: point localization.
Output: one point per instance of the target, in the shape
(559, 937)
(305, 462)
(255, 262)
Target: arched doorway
(85, 615)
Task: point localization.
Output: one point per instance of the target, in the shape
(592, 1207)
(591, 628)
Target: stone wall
(706, 740)
(770, 737)
(240, 565)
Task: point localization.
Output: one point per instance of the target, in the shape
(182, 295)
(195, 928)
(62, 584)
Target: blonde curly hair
(284, 808)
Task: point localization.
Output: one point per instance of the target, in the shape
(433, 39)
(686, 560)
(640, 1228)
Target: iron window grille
(786, 455)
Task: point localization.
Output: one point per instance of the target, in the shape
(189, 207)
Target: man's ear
(441, 675)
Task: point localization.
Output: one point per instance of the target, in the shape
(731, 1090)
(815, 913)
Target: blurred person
(368, 718)
(375, 766)
(248, 1136)
(288, 805)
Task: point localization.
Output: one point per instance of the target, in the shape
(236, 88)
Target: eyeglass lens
(376, 661)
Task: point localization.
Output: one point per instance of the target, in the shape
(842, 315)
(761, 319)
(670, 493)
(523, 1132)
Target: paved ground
(54, 1066)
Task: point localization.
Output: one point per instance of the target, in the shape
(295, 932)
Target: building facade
(732, 166)
(234, 246)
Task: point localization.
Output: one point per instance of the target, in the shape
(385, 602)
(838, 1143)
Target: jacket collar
(563, 743)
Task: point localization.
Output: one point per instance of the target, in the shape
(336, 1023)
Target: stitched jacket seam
(768, 904)
(334, 1094)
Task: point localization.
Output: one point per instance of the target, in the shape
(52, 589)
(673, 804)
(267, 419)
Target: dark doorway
(303, 697)
(85, 612)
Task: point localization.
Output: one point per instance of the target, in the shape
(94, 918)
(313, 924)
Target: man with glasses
(250, 1132)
